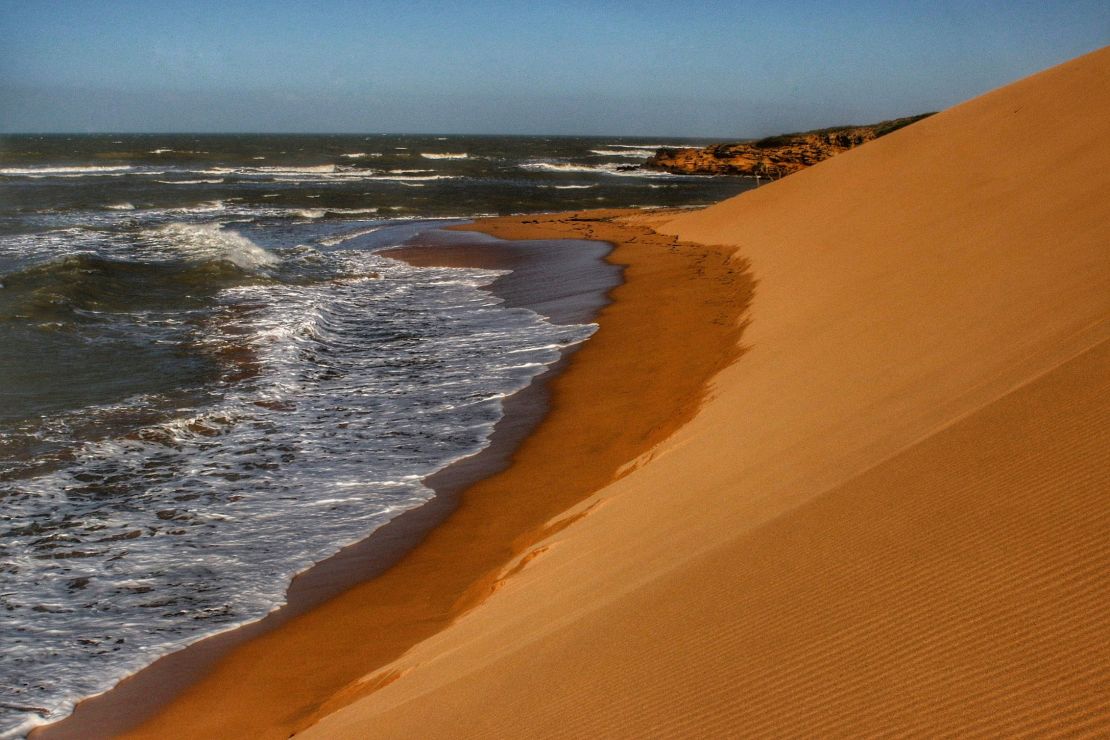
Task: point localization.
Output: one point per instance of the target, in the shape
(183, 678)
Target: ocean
(211, 380)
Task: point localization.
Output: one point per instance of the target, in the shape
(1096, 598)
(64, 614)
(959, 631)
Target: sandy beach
(835, 463)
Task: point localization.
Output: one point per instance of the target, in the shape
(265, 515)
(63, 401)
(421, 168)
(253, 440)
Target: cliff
(773, 156)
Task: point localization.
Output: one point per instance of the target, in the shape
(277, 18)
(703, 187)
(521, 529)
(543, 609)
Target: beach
(290, 389)
(835, 462)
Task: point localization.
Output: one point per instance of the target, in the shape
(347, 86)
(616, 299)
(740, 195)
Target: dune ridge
(890, 514)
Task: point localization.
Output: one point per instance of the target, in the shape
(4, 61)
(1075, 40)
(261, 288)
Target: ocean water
(210, 379)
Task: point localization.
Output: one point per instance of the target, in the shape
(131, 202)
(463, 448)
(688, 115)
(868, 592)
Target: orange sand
(889, 515)
(672, 326)
(892, 514)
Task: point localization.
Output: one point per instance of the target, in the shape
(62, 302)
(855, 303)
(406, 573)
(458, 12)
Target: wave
(121, 207)
(211, 243)
(211, 206)
(626, 152)
(180, 263)
(331, 241)
(354, 155)
(191, 182)
(352, 211)
(561, 167)
(81, 170)
(414, 178)
(311, 173)
(319, 169)
(444, 155)
(160, 151)
(619, 170)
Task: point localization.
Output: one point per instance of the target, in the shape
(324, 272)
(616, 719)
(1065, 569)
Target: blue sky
(714, 69)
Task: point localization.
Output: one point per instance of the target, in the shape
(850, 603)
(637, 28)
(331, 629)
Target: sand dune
(891, 515)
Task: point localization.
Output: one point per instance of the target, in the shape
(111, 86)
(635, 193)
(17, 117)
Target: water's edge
(532, 264)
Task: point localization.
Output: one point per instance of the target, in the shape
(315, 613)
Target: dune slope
(892, 512)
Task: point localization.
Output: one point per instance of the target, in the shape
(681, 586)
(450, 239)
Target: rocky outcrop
(774, 156)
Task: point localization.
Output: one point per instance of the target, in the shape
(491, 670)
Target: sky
(607, 67)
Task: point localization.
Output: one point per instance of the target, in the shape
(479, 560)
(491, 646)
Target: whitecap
(210, 241)
(628, 152)
(618, 170)
(414, 178)
(216, 181)
(444, 155)
(79, 170)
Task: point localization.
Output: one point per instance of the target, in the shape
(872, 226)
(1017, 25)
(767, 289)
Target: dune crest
(890, 515)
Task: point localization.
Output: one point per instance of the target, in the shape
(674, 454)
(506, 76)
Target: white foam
(216, 181)
(210, 206)
(415, 178)
(318, 169)
(160, 151)
(354, 155)
(311, 173)
(212, 242)
(329, 441)
(80, 170)
(121, 207)
(340, 238)
(627, 152)
(617, 170)
(444, 155)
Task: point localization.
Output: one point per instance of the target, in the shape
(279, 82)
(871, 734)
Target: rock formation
(774, 156)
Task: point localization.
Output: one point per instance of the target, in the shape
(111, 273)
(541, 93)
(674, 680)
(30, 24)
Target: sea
(210, 379)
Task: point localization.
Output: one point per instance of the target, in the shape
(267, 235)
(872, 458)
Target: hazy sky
(635, 67)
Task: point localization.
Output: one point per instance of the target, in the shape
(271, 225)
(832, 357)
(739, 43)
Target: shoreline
(866, 498)
(141, 695)
(671, 327)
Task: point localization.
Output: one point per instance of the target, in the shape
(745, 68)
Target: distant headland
(773, 156)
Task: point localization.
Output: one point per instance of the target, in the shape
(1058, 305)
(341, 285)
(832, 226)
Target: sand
(836, 463)
(891, 515)
(283, 680)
